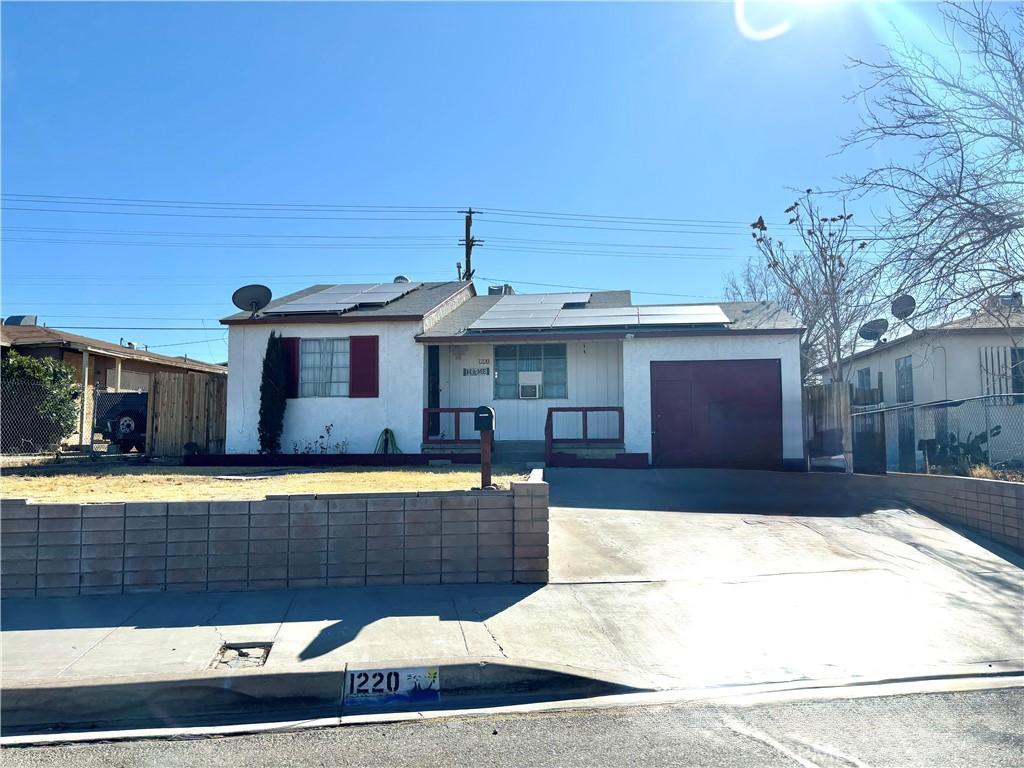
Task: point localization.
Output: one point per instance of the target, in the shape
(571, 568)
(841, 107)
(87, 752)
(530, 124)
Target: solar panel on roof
(702, 314)
(344, 298)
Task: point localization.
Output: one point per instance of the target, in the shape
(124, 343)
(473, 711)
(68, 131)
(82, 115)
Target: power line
(162, 233)
(72, 199)
(271, 246)
(222, 340)
(229, 216)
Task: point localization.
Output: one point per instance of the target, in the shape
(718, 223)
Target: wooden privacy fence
(186, 408)
(827, 419)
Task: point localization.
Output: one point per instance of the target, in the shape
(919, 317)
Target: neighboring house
(99, 365)
(682, 385)
(982, 354)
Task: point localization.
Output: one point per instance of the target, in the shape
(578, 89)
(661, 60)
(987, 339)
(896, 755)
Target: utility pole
(468, 241)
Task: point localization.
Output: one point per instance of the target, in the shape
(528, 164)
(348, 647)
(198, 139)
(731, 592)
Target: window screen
(323, 368)
(904, 379)
(549, 359)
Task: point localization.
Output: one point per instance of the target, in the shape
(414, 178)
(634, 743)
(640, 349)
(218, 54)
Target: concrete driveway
(641, 593)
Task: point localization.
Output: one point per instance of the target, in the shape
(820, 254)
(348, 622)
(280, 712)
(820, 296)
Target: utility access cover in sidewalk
(241, 655)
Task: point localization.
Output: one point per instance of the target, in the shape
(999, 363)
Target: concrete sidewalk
(656, 599)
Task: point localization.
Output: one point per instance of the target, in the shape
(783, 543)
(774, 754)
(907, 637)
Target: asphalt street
(979, 729)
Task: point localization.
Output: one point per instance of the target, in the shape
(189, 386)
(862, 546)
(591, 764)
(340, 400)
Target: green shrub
(273, 395)
(39, 401)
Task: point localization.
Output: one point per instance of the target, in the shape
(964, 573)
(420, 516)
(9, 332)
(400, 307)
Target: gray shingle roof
(416, 303)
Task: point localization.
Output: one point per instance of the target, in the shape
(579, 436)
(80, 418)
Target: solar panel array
(343, 298)
(546, 311)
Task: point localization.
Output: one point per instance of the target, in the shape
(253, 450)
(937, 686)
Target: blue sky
(661, 111)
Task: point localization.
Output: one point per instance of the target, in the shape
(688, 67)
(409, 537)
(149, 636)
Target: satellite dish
(401, 279)
(903, 306)
(873, 330)
(251, 298)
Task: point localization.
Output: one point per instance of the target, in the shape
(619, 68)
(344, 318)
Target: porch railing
(584, 439)
(456, 437)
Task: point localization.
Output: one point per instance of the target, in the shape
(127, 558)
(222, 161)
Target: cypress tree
(273, 394)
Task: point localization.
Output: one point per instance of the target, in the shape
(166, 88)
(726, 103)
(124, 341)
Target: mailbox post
(483, 422)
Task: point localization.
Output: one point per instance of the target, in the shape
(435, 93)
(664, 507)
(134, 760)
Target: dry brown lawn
(89, 483)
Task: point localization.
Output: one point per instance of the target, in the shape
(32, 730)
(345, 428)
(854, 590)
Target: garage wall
(637, 355)
(358, 420)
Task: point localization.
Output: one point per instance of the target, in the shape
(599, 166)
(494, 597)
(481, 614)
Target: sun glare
(785, 12)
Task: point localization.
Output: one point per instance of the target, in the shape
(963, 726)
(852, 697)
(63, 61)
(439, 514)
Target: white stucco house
(578, 377)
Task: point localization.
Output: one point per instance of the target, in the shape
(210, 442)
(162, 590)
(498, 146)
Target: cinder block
(20, 539)
(375, 530)
(532, 526)
(423, 529)
(143, 578)
(346, 581)
(462, 565)
(269, 545)
(114, 589)
(348, 532)
(228, 534)
(17, 553)
(187, 548)
(458, 553)
(468, 577)
(307, 545)
(494, 501)
(267, 572)
(390, 568)
(8, 566)
(227, 561)
(48, 524)
(268, 507)
(422, 509)
(531, 577)
(16, 525)
(59, 510)
(188, 521)
(304, 583)
(103, 537)
(60, 538)
(342, 519)
(383, 580)
(227, 573)
(7, 592)
(495, 526)
(385, 517)
(28, 580)
(229, 521)
(158, 549)
(145, 523)
(452, 506)
(48, 580)
(307, 558)
(185, 575)
(530, 540)
(178, 562)
(102, 550)
(267, 584)
(102, 510)
(386, 555)
(58, 552)
(186, 586)
(386, 504)
(307, 506)
(530, 552)
(145, 509)
(494, 577)
(419, 542)
(346, 569)
(494, 539)
(421, 578)
(145, 564)
(346, 545)
(229, 508)
(102, 524)
(58, 592)
(308, 531)
(103, 579)
(491, 515)
(462, 527)
(494, 564)
(9, 510)
(268, 559)
(487, 553)
(239, 585)
(346, 505)
(459, 540)
(423, 554)
(275, 520)
(189, 535)
(308, 520)
(228, 547)
(271, 533)
(531, 564)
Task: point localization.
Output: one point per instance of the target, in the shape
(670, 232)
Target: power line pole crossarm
(468, 241)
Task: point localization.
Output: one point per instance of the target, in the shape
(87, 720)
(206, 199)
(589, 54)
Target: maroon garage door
(717, 413)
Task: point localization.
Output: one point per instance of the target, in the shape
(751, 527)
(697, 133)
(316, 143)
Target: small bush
(273, 395)
(40, 406)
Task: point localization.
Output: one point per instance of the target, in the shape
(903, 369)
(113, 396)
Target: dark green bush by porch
(38, 403)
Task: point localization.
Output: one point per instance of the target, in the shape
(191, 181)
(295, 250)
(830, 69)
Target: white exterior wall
(358, 420)
(946, 367)
(594, 379)
(638, 354)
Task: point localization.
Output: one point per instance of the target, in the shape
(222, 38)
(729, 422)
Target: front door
(716, 413)
(434, 389)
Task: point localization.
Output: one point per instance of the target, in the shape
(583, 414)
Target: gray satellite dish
(251, 298)
(873, 330)
(903, 306)
(401, 279)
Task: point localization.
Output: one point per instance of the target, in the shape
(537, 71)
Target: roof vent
(501, 290)
(22, 320)
(401, 279)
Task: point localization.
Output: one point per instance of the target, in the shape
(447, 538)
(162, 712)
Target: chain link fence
(948, 437)
(34, 419)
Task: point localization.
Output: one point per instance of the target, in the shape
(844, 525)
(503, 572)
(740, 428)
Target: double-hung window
(864, 379)
(549, 360)
(323, 368)
(904, 379)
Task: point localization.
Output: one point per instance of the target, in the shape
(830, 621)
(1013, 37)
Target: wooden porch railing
(585, 439)
(456, 437)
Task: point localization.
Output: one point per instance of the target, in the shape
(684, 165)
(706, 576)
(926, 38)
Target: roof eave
(569, 335)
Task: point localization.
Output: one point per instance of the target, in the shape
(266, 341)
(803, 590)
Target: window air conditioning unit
(529, 384)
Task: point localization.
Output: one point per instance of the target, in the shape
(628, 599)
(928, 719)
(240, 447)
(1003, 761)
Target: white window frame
(324, 378)
(545, 385)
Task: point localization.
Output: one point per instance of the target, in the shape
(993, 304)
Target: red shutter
(363, 368)
(290, 345)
